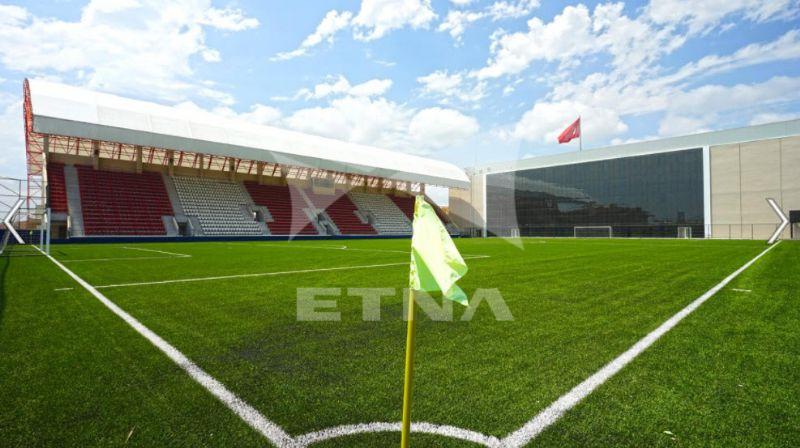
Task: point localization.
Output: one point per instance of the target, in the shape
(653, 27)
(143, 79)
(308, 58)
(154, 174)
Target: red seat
(285, 204)
(122, 203)
(342, 211)
(57, 187)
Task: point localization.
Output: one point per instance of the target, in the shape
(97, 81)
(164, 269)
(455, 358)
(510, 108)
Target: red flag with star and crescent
(572, 131)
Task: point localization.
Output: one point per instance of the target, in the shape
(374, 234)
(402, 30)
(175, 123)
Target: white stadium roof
(60, 109)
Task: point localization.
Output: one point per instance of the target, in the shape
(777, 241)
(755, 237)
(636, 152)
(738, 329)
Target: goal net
(593, 232)
(684, 232)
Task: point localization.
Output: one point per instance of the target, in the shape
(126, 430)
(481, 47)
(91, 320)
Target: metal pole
(47, 247)
(409, 373)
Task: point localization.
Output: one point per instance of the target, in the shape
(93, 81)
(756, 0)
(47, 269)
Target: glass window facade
(638, 196)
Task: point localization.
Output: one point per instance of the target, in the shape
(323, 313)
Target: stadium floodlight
(593, 232)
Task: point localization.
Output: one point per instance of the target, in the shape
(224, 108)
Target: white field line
(249, 414)
(306, 246)
(170, 255)
(552, 413)
(741, 290)
(83, 260)
(63, 289)
(419, 427)
(158, 251)
(261, 274)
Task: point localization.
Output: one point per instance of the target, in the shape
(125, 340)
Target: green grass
(74, 374)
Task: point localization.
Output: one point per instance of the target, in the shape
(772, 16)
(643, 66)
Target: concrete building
(712, 185)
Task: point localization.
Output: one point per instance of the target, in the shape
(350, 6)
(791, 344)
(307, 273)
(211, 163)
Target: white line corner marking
(784, 220)
(249, 414)
(516, 439)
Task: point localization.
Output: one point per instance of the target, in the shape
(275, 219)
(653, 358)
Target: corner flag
(436, 265)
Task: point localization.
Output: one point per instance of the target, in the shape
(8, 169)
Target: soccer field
(73, 372)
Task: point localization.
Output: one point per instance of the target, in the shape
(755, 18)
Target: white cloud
(341, 86)
(12, 140)
(332, 23)
(457, 21)
(771, 117)
(566, 37)
(11, 15)
(445, 85)
(228, 19)
(438, 128)
(378, 121)
(383, 123)
(683, 116)
(131, 47)
(546, 120)
(257, 114)
(374, 20)
(378, 17)
(703, 16)
(511, 9)
(461, 2)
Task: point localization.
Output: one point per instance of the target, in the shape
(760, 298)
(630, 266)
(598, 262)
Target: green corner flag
(436, 265)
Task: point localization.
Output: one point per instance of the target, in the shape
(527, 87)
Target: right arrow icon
(782, 216)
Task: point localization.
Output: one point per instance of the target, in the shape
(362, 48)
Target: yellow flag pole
(409, 372)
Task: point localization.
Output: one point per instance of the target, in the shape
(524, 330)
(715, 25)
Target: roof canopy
(59, 109)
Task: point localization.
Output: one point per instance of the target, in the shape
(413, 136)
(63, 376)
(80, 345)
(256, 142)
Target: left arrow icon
(782, 225)
(9, 217)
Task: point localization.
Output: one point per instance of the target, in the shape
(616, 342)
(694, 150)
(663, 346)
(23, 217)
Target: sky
(466, 81)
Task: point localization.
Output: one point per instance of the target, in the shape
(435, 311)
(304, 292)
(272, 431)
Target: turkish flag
(572, 131)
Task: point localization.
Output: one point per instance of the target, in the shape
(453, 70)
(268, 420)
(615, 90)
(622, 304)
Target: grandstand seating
(57, 187)
(404, 203)
(285, 204)
(122, 203)
(219, 205)
(388, 218)
(342, 211)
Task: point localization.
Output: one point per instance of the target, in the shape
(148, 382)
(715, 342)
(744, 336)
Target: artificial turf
(74, 374)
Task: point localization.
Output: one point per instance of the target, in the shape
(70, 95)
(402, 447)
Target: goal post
(684, 232)
(593, 232)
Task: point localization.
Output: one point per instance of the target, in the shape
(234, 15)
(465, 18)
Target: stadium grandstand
(114, 167)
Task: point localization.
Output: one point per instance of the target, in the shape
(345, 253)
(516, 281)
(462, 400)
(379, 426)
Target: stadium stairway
(73, 192)
(220, 206)
(388, 218)
(287, 208)
(118, 203)
(342, 212)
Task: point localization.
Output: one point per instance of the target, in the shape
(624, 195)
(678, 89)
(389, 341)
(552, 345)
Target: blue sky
(458, 80)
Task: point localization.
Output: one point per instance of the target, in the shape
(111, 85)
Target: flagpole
(580, 135)
(409, 372)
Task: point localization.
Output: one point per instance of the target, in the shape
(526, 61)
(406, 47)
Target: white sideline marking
(423, 427)
(249, 414)
(261, 274)
(63, 289)
(552, 413)
(741, 290)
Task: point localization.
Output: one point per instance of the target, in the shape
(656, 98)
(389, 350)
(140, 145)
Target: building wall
(743, 176)
(466, 205)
